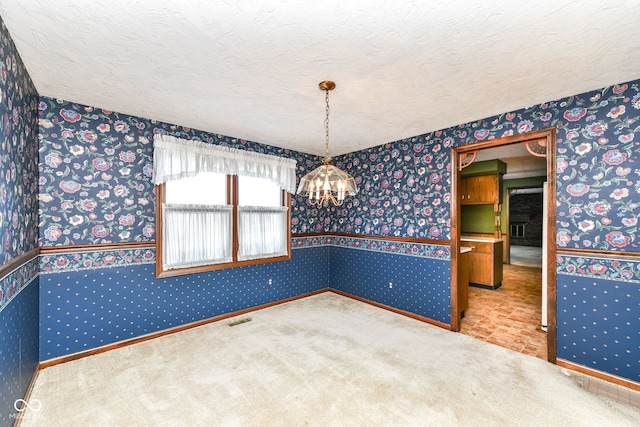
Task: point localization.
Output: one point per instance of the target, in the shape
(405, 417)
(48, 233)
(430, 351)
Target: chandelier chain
(326, 122)
(327, 184)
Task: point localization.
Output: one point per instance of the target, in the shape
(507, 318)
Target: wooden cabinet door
(485, 263)
(463, 282)
(463, 193)
(481, 268)
(480, 190)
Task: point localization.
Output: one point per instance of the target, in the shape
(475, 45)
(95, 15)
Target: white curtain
(199, 235)
(175, 158)
(262, 232)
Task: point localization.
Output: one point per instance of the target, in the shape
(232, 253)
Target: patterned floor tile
(509, 316)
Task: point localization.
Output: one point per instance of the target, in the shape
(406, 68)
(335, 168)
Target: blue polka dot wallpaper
(599, 324)
(19, 346)
(86, 306)
(415, 284)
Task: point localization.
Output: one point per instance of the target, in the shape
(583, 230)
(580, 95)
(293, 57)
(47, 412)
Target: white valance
(175, 158)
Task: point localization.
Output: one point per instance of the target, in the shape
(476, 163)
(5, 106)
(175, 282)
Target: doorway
(544, 139)
(525, 223)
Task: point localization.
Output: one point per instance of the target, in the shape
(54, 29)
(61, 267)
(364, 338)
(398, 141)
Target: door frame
(549, 136)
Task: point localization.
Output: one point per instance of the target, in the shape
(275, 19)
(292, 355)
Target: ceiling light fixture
(327, 183)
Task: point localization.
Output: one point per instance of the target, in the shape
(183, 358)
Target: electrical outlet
(390, 285)
(270, 281)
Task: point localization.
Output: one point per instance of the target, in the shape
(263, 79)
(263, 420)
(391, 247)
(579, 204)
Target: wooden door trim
(506, 257)
(549, 136)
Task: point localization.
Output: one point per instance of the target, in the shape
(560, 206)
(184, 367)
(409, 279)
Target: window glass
(203, 189)
(258, 192)
(198, 224)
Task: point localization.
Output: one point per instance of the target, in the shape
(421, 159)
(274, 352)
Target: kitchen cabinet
(463, 281)
(481, 189)
(485, 262)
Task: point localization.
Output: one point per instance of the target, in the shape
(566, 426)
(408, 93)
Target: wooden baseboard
(27, 394)
(481, 286)
(598, 374)
(131, 341)
(395, 310)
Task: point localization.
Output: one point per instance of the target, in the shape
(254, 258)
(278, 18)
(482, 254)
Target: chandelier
(327, 183)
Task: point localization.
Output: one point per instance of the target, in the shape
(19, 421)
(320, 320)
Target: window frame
(518, 230)
(232, 199)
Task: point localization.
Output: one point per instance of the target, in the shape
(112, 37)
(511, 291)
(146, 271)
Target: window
(518, 230)
(197, 223)
(263, 219)
(221, 215)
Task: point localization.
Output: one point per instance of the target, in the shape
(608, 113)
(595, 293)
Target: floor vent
(239, 321)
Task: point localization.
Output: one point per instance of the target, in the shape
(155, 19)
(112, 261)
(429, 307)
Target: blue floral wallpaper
(421, 250)
(96, 165)
(600, 268)
(18, 154)
(91, 260)
(404, 190)
(19, 310)
(95, 173)
(405, 185)
(12, 283)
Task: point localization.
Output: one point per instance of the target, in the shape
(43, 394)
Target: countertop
(479, 239)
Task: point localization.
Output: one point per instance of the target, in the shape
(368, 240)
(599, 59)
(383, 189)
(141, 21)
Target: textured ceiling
(250, 69)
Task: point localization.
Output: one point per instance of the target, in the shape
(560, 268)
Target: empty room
(319, 213)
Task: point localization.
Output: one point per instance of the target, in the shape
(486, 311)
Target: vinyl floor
(510, 316)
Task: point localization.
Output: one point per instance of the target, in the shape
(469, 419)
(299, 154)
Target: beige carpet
(325, 360)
